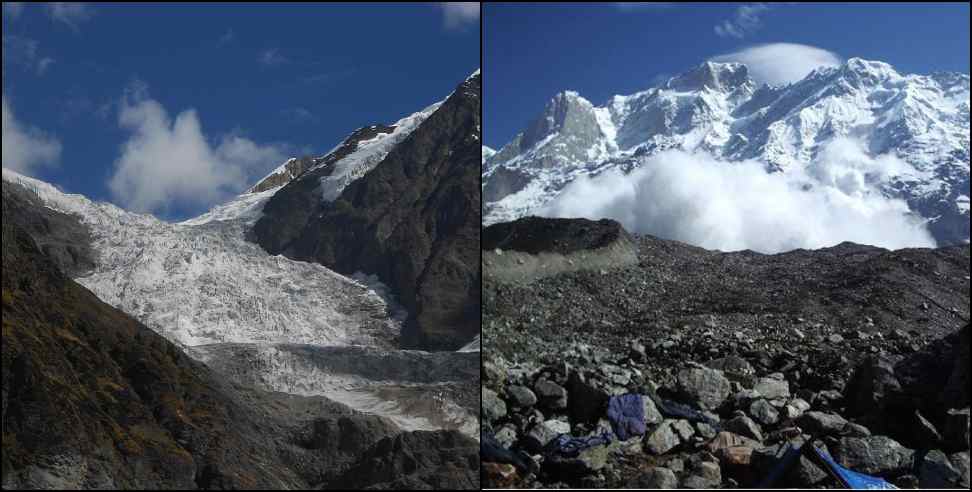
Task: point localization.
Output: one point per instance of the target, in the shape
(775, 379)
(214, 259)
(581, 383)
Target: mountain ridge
(717, 109)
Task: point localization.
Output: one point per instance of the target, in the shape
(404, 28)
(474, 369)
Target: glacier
(203, 286)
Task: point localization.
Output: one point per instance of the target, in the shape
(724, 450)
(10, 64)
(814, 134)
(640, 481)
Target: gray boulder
(822, 424)
(961, 463)
(657, 478)
(772, 387)
(551, 394)
(875, 455)
(744, 426)
(652, 415)
(937, 472)
(521, 397)
(706, 388)
(662, 439)
(493, 407)
(764, 413)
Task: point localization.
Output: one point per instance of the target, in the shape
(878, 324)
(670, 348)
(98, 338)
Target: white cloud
(24, 52)
(12, 10)
(43, 64)
(781, 63)
(299, 115)
(169, 162)
(25, 148)
(228, 37)
(19, 50)
(734, 206)
(457, 15)
(272, 58)
(71, 14)
(745, 21)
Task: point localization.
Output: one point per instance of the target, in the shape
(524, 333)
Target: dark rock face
(94, 399)
(63, 238)
(292, 169)
(535, 235)
(414, 221)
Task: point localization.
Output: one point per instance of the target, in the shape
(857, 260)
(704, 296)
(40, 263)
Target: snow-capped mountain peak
(717, 109)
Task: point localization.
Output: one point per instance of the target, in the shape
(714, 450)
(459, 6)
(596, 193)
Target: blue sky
(89, 87)
(531, 52)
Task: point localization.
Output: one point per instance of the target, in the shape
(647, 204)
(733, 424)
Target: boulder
(742, 399)
(869, 387)
(696, 482)
(587, 462)
(493, 407)
(710, 472)
(706, 388)
(551, 395)
(684, 430)
(961, 463)
(652, 415)
(662, 439)
(772, 387)
(764, 413)
(705, 430)
(875, 455)
(937, 472)
(657, 478)
(542, 433)
(856, 430)
(822, 424)
(586, 403)
(521, 397)
(744, 426)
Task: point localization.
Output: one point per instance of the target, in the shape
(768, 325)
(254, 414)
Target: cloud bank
(736, 206)
(457, 15)
(781, 63)
(25, 148)
(167, 163)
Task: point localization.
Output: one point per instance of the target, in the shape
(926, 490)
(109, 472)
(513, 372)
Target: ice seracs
(201, 282)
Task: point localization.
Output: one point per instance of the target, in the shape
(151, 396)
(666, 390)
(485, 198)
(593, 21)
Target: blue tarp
(852, 479)
(847, 478)
(627, 416)
(570, 447)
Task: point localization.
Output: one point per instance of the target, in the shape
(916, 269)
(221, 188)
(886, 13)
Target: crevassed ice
(201, 282)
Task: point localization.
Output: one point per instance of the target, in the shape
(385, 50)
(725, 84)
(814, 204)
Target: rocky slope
(859, 349)
(718, 110)
(415, 390)
(94, 399)
(401, 202)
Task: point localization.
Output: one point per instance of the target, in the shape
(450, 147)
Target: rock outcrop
(413, 220)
